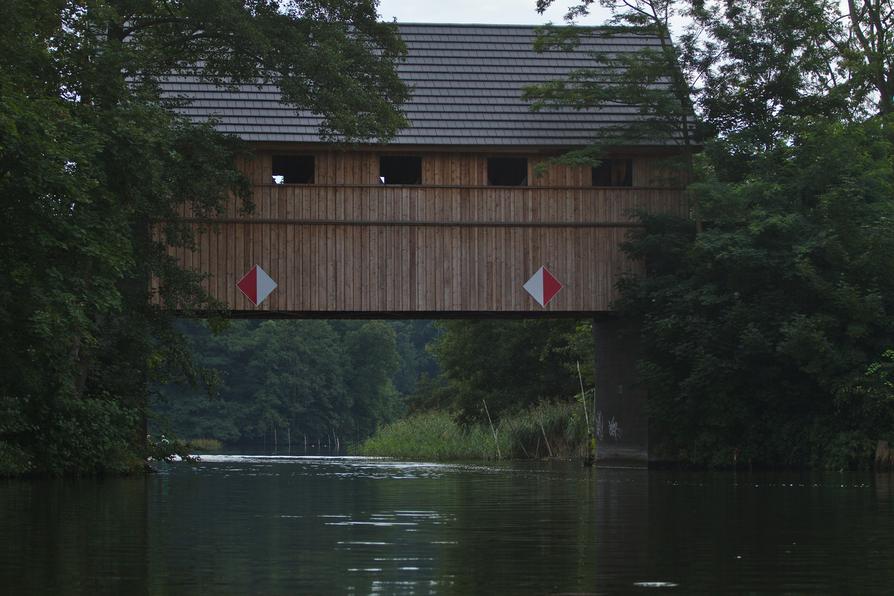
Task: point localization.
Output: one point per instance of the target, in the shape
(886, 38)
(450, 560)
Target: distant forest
(319, 380)
(341, 381)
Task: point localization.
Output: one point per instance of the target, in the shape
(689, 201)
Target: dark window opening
(613, 172)
(400, 169)
(507, 171)
(293, 169)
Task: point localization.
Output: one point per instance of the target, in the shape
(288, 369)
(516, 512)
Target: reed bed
(204, 444)
(550, 429)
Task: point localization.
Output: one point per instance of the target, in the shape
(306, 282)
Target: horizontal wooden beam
(642, 150)
(410, 223)
(389, 315)
(477, 187)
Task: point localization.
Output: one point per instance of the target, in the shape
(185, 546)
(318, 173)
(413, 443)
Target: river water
(263, 525)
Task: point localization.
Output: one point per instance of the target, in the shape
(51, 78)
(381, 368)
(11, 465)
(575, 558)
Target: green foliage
(525, 370)
(14, 460)
(432, 393)
(168, 450)
(880, 378)
(766, 316)
(761, 333)
(87, 436)
(432, 436)
(308, 378)
(848, 449)
(371, 352)
(511, 363)
(752, 73)
(204, 444)
(562, 423)
(14, 430)
(437, 436)
(657, 80)
(416, 361)
(91, 157)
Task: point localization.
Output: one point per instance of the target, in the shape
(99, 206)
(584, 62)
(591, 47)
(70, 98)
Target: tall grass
(204, 444)
(548, 429)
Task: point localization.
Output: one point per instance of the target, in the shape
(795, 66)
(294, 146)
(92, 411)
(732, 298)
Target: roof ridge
(629, 31)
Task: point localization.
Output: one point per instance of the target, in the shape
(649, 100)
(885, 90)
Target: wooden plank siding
(347, 245)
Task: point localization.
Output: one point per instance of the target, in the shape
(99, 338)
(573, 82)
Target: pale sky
(503, 12)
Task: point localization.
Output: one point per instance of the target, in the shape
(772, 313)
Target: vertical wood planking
(335, 266)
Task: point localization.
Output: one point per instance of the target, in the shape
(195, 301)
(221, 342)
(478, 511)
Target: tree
(416, 362)
(90, 156)
(766, 320)
(866, 51)
(746, 76)
(758, 331)
(653, 79)
(511, 364)
(372, 353)
(314, 378)
(296, 372)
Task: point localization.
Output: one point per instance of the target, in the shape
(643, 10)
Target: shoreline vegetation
(765, 313)
(204, 445)
(545, 430)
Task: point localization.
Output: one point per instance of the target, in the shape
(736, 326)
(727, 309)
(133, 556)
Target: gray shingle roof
(467, 82)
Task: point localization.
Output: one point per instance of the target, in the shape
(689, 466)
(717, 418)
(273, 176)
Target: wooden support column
(622, 425)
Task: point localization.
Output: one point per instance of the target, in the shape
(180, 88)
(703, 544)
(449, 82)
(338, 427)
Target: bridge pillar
(622, 425)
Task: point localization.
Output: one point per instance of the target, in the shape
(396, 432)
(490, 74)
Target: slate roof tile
(467, 82)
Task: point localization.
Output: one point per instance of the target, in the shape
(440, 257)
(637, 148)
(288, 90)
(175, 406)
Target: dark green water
(254, 525)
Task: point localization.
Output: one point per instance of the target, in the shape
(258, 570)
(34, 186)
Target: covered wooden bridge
(450, 218)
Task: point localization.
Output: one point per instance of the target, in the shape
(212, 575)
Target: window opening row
(407, 170)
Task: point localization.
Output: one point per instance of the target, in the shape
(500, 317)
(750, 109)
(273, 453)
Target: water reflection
(74, 536)
(276, 525)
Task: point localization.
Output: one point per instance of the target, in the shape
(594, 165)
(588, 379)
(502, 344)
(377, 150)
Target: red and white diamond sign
(543, 286)
(256, 285)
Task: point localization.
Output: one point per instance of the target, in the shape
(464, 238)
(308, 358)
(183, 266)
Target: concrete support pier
(622, 425)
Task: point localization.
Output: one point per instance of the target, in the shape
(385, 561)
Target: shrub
(14, 460)
(87, 436)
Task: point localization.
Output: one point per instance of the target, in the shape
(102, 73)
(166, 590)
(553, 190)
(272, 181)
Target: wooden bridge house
(450, 218)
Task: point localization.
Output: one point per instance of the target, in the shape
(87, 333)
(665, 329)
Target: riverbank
(545, 430)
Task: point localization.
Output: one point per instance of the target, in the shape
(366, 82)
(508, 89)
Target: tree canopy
(91, 155)
(325, 381)
(761, 333)
(767, 316)
(510, 364)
